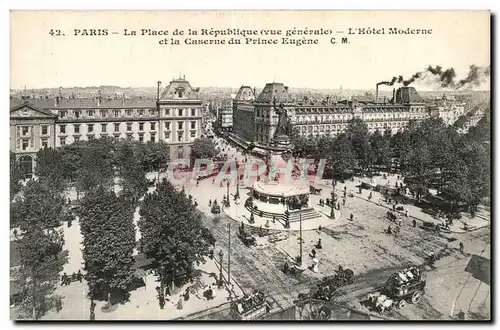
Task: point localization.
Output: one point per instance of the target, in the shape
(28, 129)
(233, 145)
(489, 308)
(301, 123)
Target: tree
(42, 259)
(380, 153)
(418, 169)
(132, 173)
(96, 165)
(172, 234)
(106, 223)
(40, 247)
(202, 148)
(155, 155)
(15, 176)
(358, 134)
(40, 206)
(48, 167)
(343, 158)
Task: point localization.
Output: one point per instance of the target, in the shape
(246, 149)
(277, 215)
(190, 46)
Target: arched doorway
(26, 166)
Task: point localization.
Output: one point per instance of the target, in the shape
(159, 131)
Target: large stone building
(175, 118)
(255, 120)
(225, 115)
(447, 109)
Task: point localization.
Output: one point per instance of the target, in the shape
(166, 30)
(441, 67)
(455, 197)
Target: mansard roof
(245, 93)
(179, 89)
(275, 91)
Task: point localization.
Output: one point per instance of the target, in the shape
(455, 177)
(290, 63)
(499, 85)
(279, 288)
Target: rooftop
(179, 89)
(245, 93)
(64, 103)
(275, 91)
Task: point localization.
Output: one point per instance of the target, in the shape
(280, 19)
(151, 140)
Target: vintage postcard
(250, 165)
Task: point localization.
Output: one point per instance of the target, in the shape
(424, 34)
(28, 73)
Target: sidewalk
(143, 304)
(480, 221)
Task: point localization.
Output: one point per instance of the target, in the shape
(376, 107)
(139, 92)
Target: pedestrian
(161, 300)
(15, 233)
(313, 253)
(400, 222)
(179, 303)
(461, 245)
(406, 213)
(79, 276)
(370, 196)
(414, 223)
(352, 217)
(213, 180)
(394, 206)
(167, 291)
(389, 230)
(209, 202)
(319, 246)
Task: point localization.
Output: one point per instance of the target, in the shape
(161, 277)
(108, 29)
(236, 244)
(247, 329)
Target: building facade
(448, 110)
(225, 116)
(255, 121)
(174, 118)
(243, 114)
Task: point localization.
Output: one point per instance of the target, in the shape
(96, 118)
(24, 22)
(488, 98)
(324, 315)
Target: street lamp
(228, 204)
(332, 214)
(221, 255)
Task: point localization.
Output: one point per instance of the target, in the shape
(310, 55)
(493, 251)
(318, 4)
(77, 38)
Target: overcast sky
(40, 60)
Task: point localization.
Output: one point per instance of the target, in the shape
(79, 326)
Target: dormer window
(180, 92)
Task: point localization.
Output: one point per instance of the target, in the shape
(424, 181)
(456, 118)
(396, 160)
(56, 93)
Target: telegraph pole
(229, 258)
(300, 223)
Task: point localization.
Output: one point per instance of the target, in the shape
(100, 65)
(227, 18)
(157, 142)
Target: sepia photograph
(267, 165)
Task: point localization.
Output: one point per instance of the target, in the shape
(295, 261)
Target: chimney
(60, 92)
(254, 92)
(56, 101)
(123, 99)
(286, 89)
(394, 96)
(376, 93)
(98, 101)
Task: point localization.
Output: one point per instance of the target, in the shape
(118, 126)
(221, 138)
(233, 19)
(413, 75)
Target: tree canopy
(172, 234)
(106, 223)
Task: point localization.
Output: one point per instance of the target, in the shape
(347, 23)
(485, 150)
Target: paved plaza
(360, 244)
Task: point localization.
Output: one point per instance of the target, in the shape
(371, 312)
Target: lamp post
(228, 204)
(221, 255)
(332, 214)
(237, 185)
(229, 257)
(300, 242)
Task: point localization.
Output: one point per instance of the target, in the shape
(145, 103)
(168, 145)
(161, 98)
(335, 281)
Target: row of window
(25, 130)
(152, 127)
(118, 113)
(180, 138)
(322, 128)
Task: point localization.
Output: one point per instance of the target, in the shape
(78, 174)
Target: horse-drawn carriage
(401, 287)
(246, 237)
(314, 191)
(329, 285)
(250, 307)
(215, 208)
(391, 216)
